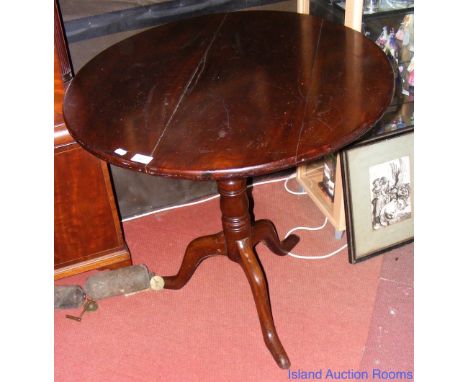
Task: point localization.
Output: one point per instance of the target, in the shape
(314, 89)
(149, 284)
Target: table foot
(197, 251)
(264, 230)
(257, 281)
(236, 241)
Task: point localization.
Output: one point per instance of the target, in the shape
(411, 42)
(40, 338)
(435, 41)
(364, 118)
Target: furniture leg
(257, 281)
(236, 242)
(238, 231)
(264, 230)
(197, 251)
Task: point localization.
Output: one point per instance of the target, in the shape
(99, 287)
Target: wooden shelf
(309, 176)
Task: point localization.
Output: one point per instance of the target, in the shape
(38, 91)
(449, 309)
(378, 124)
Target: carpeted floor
(329, 314)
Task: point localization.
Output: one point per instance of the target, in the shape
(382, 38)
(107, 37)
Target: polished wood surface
(60, 46)
(58, 92)
(237, 242)
(224, 97)
(256, 92)
(86, 219)
(87, 232)
(62, 137)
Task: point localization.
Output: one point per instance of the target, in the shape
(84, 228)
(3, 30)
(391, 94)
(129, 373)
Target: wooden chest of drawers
(87, 228)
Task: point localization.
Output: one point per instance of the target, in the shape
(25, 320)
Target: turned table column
(236, 241)
(237, 229)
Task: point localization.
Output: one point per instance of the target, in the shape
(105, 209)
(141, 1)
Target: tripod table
(225, 97)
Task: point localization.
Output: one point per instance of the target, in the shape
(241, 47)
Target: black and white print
(390, 192)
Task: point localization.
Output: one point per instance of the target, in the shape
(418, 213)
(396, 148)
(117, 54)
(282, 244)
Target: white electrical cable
(291, 191)
(317, 257)
(286, 179)
(171, 208)
(307, 228)
(313, 229)
(201, 200)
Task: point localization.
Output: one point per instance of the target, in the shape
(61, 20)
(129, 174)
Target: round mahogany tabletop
(229, 95)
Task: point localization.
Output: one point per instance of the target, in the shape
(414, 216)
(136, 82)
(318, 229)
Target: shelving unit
(401, 108)
(309, 176)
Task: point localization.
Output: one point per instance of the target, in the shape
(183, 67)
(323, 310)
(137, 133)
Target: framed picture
(378, 194)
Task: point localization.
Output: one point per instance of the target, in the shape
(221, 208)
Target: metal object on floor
(89, 306)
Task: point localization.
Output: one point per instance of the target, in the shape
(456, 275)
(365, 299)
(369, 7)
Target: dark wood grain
(236, 241)
(265, 231)
(237, 230)
(197, 251)
(62, 137)
(87, 231)
(257, 280)
(58, 92)
(60, 45)
(225, 97)
(229, 95)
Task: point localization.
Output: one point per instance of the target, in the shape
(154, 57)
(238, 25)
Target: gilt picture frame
(378, 186)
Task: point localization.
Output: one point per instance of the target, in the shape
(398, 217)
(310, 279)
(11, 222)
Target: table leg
(257, 280)
(238, 234)
(236, 241)
(197, 251)
(264, 230)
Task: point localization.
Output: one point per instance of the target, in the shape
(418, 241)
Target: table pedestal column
(236, 241)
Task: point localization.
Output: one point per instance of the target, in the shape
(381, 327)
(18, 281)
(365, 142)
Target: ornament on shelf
(410, 75)
(405, 32)
(388, 43)
(383, 38)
